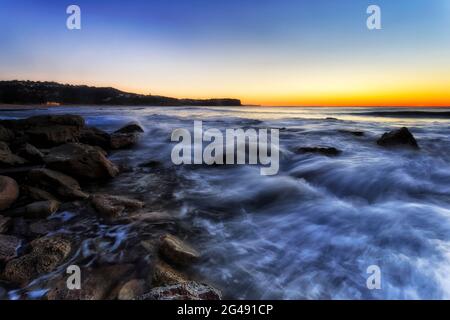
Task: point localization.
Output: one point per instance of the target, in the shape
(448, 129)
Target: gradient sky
(270, 52)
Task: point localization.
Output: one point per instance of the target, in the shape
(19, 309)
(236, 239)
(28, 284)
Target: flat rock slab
(177, 251)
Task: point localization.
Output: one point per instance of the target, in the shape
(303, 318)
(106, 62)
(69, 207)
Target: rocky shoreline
(52, 215)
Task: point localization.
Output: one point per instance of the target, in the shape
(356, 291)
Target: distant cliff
(36, 92)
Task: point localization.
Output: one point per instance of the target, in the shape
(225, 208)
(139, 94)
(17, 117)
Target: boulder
(48, 130)
(47, 253)
(177, 251)
(9, 192)
(131, 127)
(183, 291)
(124, 140)
(96, 284)
(81, 161)
(111, 206)
(30, 153)
(326, 151)
(6, 135)
(400, 137)
(132, 289)
(8, 247)
(7, 158)
(36, 193)
(5, 223)
(64, 186)
(164, 275)
(41, 209)
(95, 137)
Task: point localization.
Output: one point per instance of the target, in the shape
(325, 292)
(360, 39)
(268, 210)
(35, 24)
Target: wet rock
(114, 206)
(47, 254)
(41, 209)
(81, 161)
(183, 291)
(48, 130)
(8, 247)
(96, 284)
(95, 137)
(56, 182)
(5, 223)
(150, 164)
(177, 251)
(164, 275)
(6, 135)
(7, 158)
(131, 127)
(132, 289)
(43, 227)
(400, 137)
(36, 193)
(30, 153)
(353, 132)
(9, 192)
(123, 140)
(326, 151)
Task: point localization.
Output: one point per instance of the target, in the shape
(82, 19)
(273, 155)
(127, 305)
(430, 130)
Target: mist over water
(311, 231)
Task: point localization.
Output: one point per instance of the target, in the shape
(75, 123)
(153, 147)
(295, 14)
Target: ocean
(309, 232)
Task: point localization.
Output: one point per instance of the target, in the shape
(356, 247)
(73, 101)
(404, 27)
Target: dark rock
(326, 151)
(40, 209)
(36, 193)
(64, 186)
(9, 192)
(47, 254)
(114, 206)
(164, 275)
(95, 137)
(7, 158)
(353, 133)
(400, 137)
(150, 164)
(96, 284)
(30, 153)
(43, 227)
(123, 140)
(130, 128)
(6, 135)
(183, 291)
(132, 289)
(8, 247)
(5, 223)
(81, 161)
(177, 251)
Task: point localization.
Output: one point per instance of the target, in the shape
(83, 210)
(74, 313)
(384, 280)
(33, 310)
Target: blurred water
(312, 230)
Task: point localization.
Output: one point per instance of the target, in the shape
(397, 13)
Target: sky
(267, 52)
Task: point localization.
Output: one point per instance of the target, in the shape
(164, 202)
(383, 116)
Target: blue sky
(263, 51)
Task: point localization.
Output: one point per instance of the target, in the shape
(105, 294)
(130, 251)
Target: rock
(47, 254)
(114, 206)
(41, 209)
(123, 140)
(6, 135)
(81, 161)
(95, 137)
(183, 291)
(353, 133)
(177, 251)
(43, 227)
(132, 289)
(400, 137)
(49, 130)
(37, 194)
(131, 127)
(164, 275)
(9, 192)
(8, 247)
(30, 153)
(7, 158)
(5, 223)
(64, 186)
(96, 284)
(150, 164)
(326, 151)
